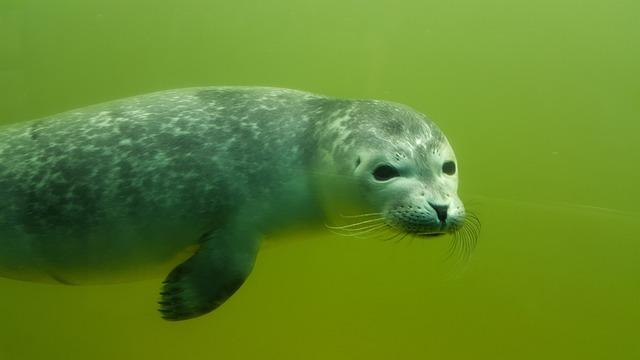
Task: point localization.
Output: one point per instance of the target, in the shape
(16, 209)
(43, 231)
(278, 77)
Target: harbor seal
(132, 184)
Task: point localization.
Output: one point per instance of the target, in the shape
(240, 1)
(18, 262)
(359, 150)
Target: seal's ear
(209, 277)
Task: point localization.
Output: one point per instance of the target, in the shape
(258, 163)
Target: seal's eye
(385, 172)
(449, 167)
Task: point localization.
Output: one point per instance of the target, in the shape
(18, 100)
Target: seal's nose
(441, 210)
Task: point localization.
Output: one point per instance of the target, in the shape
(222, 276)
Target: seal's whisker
(362, 215)
(393, 236)
(374, 228)
(374, 232)
(385, 229)
(369, 226)
(377, 233)
(459, 255)
(453, 246)
(465, 238)
(382, 232)
(401, 238)
(467, 248)
(360, 232)
(471, 240)
(350, 226)
(472, 218)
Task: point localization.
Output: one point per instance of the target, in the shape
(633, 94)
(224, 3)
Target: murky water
(540, 101)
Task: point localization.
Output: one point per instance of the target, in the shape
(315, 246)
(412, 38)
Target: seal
(194, 178)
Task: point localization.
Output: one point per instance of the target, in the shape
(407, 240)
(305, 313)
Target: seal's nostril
(441, 210)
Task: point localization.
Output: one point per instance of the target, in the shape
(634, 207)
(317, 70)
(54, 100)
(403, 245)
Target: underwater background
(540, 100)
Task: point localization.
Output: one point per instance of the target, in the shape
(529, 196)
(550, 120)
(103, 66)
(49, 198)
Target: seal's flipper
(209, 277)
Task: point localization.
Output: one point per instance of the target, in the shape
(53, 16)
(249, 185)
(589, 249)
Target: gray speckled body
(129, 185)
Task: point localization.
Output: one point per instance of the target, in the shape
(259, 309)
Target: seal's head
(403, 166)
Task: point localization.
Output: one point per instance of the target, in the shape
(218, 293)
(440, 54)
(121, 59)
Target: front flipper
(209, 277)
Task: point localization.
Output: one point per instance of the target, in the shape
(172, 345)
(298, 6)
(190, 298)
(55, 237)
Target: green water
(541, 101)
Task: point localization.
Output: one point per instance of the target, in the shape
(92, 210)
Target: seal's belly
(103, 256)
